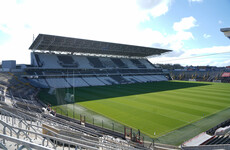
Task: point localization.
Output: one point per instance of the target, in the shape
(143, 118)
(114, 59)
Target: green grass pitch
(155, 108)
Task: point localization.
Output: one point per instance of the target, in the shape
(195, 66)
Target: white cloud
(220, 22)
(206, 36)
(195, 0)
(213, 56)
(185, 24)
(176, 40)
(155, 8)
(113, 21)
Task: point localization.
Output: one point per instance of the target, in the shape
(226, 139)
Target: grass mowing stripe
(201, 92)
(196, 100)
(134, 110)
(148, 109)
(202, 96)
(133, 118)
(170, 102)
(162, 110)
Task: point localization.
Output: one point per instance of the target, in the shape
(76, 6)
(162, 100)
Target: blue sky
(210, 15)
(188, 27)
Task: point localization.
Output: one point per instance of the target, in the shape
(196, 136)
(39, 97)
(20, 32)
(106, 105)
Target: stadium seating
(218, 140)
(119, 63)
(137, 63)
(40, 64)
(39, 82)
(58, 70)
(131, 79)
(147, 63)
(107, 80)
(66, 61)
(129, 63)
(49, 60)
(107, 62)
(76, 82)
(161, 78)
(120, 79)
(94, 61)
(57, 83)
(141, 78)
(83, 62)
(93, 81)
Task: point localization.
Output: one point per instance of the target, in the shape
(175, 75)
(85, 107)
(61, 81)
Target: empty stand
(107, 80)
(147, 63)
(120, 79)
(49, 60)
(141, 78)
(66, 61)
(40, 83)
(218, 140)
(129, 63)
(131, 79)
(94, 61)
(107, 62)
(119, 63)
(57, 83)
(40, 64)
(86, 69)
(137, 63)
(161, 78)
(93, 81)
(76, 82)
(83, 62)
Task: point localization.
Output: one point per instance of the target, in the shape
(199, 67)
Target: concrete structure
(8, 65)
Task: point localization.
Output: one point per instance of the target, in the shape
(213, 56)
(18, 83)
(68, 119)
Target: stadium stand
(93, 81)
(61, 62)
(137, 63)
(131, 79)
(107, 62)
(39, 62)
(49, 60)
(141, 78)
(76, 82)
(129, 64)
(29, 123)
(89, 62)
(57, 83)
(214, 138)
(107, 80)
(147, 63)
(66, 61)
(119, 63)
(83, 62)
(94, 61)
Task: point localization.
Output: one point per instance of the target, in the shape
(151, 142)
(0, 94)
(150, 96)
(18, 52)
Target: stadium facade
(63, 62)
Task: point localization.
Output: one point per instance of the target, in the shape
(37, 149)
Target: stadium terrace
(62, 62)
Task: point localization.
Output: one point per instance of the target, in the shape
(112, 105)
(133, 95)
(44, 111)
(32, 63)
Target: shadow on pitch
(101, 92)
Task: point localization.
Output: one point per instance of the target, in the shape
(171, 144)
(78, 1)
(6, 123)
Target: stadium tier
(62, 62)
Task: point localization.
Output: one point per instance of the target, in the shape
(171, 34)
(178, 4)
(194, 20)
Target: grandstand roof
(226, 32)
(45, 42)
(224, 29)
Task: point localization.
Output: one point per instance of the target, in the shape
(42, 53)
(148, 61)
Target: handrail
(89, 142)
